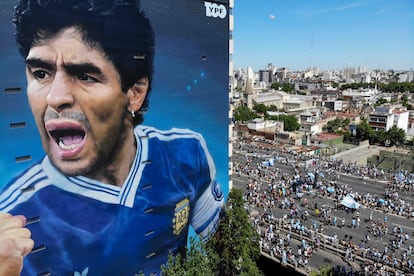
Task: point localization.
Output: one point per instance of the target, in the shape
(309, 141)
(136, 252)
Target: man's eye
(86, 78)
(40, 74)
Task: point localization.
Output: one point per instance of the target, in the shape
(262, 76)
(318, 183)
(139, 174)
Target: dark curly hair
(117, 27)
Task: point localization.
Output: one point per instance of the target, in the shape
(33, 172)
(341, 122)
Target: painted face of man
(75, 96)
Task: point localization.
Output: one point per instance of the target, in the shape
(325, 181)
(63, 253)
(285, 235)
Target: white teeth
(65, 147)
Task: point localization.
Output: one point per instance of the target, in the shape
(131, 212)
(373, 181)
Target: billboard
(103, 192)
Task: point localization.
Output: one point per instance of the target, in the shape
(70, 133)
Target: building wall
(380, 121)
(401, 120)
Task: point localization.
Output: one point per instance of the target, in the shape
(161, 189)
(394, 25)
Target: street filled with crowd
(300, 205)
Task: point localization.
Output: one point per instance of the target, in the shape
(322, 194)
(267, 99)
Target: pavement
(359, 154)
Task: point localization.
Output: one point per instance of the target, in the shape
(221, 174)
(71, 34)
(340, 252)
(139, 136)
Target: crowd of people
(292, 192)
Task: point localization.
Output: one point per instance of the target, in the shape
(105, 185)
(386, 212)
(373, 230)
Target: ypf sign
(215, 10)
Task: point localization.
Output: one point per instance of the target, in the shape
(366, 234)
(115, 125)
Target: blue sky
(377, 34)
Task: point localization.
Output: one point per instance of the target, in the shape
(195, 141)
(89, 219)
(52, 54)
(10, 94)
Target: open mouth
(68, 136)
(68, 139)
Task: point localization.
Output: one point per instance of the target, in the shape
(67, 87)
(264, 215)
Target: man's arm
(210, 199)
(15, 244)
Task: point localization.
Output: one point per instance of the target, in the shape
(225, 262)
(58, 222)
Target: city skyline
(375, 34)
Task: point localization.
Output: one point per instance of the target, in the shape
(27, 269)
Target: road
(330, 252)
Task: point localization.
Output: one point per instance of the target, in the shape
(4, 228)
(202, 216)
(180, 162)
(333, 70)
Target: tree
(234, 249)
(290, 122)
(397, 87)
(244, 114)
(272, 107)
(404, 101)
(324, 270)
(260, 108)
(286, 87)
(391, 87)
(275, 86)
(237, 242)
(396, 135)
(379, 136)
(337, 124)
(380, 101)
(364, 130)
(174, 266)
(347, 135)
(199, 261)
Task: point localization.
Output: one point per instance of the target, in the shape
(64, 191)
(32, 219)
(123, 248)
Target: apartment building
(385, 117)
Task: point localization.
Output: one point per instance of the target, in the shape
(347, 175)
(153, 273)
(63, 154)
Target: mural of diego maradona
(111, 196)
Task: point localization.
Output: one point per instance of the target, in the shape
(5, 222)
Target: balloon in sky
(272, 17)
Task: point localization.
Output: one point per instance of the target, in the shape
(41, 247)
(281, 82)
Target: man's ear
(137, 93)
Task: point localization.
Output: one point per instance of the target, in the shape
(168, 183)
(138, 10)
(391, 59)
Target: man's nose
(60, 95)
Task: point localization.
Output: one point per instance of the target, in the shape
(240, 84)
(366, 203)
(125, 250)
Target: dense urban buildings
(325, 156)
(316, 97)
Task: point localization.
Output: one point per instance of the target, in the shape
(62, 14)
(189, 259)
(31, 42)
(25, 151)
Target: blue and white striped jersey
(84, 227)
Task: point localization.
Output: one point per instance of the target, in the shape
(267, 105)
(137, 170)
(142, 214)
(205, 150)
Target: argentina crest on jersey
(181, 215)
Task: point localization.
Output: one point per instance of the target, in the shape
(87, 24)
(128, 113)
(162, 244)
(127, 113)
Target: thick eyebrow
(73, 69)
(37, 62)
(76, 69)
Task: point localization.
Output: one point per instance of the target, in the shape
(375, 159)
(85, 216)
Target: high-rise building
(249, 80)
(266, 76)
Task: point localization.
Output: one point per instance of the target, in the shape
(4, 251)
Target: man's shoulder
(27, 176)
(22, 185)
(167, 135)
